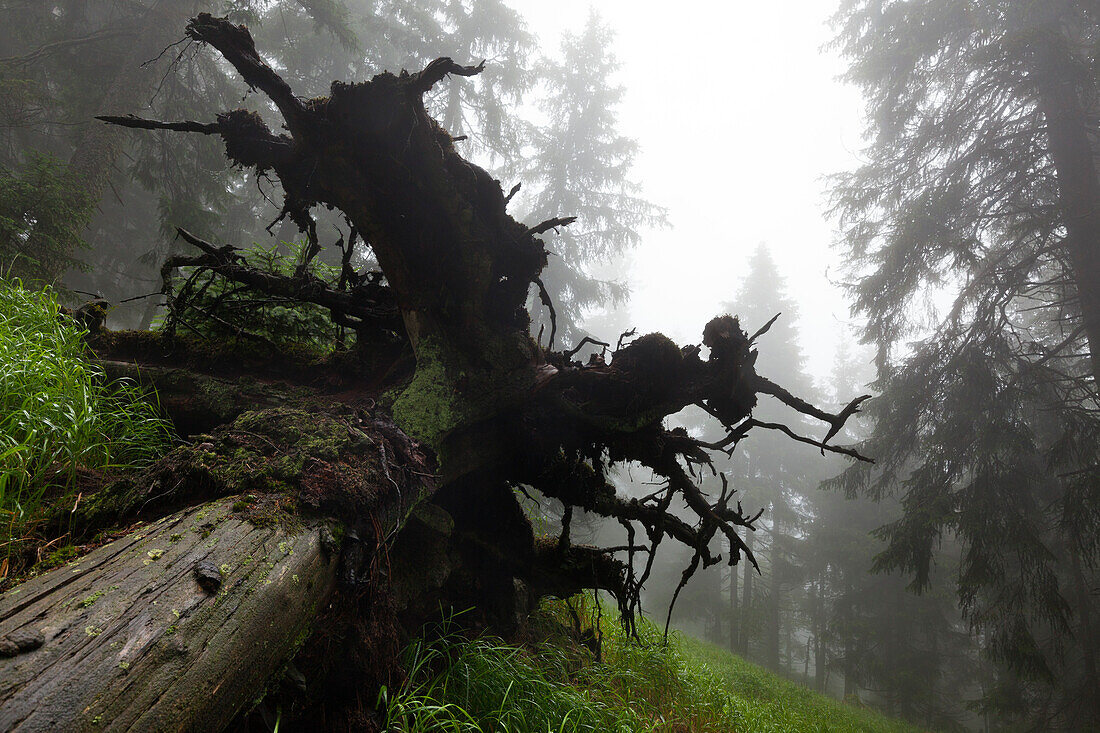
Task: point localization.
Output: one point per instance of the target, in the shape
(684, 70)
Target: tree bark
(1086, 633)
(733, 626)
(746, 600)
(850, 689)
(1068, 130)
(174, 626)
(771, 641)
(198, 402)
(818, 630)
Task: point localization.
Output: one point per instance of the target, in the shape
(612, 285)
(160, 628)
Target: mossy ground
(277, 462)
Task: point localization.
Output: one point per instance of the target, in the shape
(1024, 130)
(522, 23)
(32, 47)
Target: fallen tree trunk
(184, 621)
(419, 469)
(197, 402)
(176, 626)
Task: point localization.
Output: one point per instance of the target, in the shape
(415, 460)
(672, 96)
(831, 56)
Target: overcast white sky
(740, 117)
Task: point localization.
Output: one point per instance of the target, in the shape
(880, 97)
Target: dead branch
(138, 123)
(434, 72)
(235, 44)
(371, 307)
(764, 329)
(836, 422)
(551, 224)
(850, 452)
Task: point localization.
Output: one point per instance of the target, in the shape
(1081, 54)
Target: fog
(741, 117)
(926, 477)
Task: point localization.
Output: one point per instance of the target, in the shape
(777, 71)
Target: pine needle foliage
(988, 425)
(40, 217)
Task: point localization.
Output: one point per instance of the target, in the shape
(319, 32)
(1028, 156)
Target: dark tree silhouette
(981, 185)
(419, 476)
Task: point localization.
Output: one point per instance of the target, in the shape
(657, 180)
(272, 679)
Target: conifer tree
(980, 189)
(580, 166)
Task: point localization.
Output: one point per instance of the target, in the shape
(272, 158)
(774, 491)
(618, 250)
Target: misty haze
(495, 365)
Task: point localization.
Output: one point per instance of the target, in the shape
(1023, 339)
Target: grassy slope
(552, 684)
(766, 702)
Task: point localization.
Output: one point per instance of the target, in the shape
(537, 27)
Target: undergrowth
(551, 682)
(210, 305)
(59, 418)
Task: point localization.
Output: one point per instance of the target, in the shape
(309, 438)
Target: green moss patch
(279, 462)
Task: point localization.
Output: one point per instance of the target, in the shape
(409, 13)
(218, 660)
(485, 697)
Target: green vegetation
(40, 216)
(767, 702)
(555, 684)
(59, 419)
(215, 307)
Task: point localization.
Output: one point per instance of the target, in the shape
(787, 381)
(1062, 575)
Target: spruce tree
(980, 192)
(580, 166)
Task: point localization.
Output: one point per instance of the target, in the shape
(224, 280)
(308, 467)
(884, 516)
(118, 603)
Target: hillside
(551, 681)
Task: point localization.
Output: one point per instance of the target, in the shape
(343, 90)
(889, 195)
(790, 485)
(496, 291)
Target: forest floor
(552, 681)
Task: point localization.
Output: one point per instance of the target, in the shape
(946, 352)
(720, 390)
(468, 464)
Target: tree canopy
(972, 240)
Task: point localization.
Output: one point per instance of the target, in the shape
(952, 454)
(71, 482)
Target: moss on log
(178, 625)
(198, 402)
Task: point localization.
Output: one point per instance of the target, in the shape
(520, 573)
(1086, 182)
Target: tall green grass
(58, 414)
(555, 685)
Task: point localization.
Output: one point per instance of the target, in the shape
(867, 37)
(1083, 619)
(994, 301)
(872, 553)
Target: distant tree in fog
(906, 653)
(580, 165)
(981, 188)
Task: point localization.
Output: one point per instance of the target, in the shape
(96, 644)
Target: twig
(545, 298)
(586, 340)
(764, 329)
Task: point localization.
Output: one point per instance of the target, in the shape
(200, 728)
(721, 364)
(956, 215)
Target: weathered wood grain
(131, 641)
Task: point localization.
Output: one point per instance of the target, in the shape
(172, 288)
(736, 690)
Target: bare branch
(836, 421)
(235, 44)
(549, 224)
(375, 307)
(764, 329)
(138, 123)
(851, 452)
(586, 340)
(434, 72)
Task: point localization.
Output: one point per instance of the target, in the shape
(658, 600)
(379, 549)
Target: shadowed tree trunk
(1069, 128)
(819, 633)
(734, 646)
(415, 469)
(746, 602)
(772, 606)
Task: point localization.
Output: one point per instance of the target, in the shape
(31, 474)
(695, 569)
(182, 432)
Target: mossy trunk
(419, 468)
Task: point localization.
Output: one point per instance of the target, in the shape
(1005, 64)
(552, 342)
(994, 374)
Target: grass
(58, 416)
(552, 684)
(767, 702)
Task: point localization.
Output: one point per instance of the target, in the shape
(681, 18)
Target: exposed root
(458, 271)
